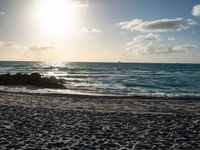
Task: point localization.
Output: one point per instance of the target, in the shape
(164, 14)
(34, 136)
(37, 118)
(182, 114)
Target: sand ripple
(38, 127)
(43, 128)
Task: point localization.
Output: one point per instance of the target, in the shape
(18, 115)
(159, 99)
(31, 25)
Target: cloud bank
(41, 47)
(154, 48)
(34, 47)
(162, 25)
(196, 10)
(149, 44)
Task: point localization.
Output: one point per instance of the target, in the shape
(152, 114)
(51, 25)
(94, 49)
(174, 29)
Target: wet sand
(32, 121)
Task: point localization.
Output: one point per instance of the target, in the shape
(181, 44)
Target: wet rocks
(33, 79)
(5, 79)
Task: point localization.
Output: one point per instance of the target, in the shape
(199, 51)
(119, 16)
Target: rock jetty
(33, 79)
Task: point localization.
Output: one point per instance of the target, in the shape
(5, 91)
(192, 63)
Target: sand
(43, 121)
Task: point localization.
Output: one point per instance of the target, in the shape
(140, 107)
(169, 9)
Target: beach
(99, 75)
(60, 121)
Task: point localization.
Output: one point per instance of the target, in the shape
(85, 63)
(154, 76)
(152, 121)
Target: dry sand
(36, 121)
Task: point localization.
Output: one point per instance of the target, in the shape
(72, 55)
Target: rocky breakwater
(33, 79)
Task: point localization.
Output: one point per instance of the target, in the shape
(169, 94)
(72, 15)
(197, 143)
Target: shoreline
(91, 102)
(93, 95)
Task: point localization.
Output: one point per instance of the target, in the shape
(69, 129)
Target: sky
(165, 31)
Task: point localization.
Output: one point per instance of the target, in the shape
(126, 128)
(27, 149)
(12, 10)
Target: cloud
(41, 47)
(34, 47)
(184, 47)
(149, 44)
(5, 44)
(94, 30)
(79, 4)
(154, 48)
(162, 25)
(196, 10)
(1, 44)
(171, 39)
(86, 30)
(144, 38)
(10, 44)
(2, 13)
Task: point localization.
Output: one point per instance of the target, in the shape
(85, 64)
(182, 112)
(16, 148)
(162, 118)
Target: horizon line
(117, 62)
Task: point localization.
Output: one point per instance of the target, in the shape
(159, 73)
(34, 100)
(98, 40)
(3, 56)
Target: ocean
(121, 79)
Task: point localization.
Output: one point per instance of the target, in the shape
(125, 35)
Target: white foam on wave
(36, 90)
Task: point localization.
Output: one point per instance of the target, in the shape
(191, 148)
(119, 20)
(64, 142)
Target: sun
(55, 17)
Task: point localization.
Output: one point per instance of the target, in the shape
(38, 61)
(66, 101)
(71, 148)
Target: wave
(126, 79)
(51, 92)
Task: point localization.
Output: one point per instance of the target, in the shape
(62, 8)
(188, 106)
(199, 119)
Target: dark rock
(25, 79)
(34, 79)
(35, 75)
(16, 79)
(5, 79)
(51, 82)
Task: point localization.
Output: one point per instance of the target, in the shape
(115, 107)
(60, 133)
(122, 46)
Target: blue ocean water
(127, 79)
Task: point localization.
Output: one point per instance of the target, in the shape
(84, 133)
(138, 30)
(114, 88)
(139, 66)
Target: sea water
(124, 79)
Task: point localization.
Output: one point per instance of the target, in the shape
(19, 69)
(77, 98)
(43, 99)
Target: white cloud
(171, 39)
(154, 48)
(1, 44)
(34, 47)
(2, 13)
(149, 44)
(86, 30)
(79, 4)
(96, 30)
(196, 10)
(10, 44)
(5, 44)
(162, 25)
(41, 47)
(144, 38)
(184, 47)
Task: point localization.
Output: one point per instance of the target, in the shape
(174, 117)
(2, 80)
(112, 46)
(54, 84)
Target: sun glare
(56, 17)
